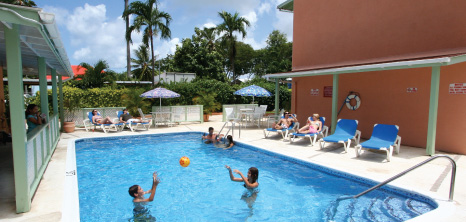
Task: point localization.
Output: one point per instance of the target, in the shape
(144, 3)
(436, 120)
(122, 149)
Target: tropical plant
(207, 34)
(133, 101)
(95, 76)
(72, 104)
(142, 68)
(27, 3)
(154, 21)
(207, 99)
(230, 25)
(128, 49)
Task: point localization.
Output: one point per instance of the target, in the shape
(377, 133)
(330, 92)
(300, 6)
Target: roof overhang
(39, 37)
(286, 6)
(442, 61)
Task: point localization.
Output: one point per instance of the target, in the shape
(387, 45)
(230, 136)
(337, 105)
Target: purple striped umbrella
(160, 93)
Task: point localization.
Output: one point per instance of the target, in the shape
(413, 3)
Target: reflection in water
(141, 213)
(249, 196)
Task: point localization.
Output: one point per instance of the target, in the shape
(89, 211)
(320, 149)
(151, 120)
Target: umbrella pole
(160, 110)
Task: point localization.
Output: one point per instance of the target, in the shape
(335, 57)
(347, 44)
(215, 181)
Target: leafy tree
(27, 3)
(96, 75)
(244, 60)
(230, 25)
(143, 70)
(154, 21)
(275, 57)
(194, 56)
(208, 100)
(166, 64)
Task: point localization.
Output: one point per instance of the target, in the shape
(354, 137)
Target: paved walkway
(432, 179)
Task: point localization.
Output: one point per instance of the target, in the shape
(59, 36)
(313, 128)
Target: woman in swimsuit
(312, 126)
(98, 119)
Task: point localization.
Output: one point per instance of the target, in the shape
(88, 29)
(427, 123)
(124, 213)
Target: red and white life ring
(348, 102)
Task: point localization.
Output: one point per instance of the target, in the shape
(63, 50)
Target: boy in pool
(250, 182)
(211, 137)
(138, 193)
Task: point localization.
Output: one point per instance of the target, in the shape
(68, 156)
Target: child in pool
(250, 181)
(229, 144)
(211, 137)
(138, 193)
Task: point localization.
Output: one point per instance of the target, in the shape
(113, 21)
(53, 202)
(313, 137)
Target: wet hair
(125, 109)
(132, 190)
(254, 174)
(29, 108)
(211, 128)
(230, 139)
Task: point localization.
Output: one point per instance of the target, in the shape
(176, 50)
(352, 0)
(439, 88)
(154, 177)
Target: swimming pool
(289, 189)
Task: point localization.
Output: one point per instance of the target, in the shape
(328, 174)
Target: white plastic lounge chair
(384, 137)
(345, 131)
(312, 136)
(105, 127)
(283, 132)
(233, 119)
(133, 126)
(145, 119)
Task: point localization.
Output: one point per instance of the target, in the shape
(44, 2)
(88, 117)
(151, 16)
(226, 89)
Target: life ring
(348, 102)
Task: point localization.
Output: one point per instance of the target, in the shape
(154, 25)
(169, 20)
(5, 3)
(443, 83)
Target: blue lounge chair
(105, 127)
(133, 126)
(384, 137)
(283, 132)
(345, 131)
(312, 136)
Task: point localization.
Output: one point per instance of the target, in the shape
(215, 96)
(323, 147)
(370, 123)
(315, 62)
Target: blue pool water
(289, 190)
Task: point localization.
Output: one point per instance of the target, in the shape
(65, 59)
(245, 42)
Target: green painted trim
(54, 91)
(433, 108)
(287, 6)
(202, 113)
(61, 109)
(334, 102)
(457, 59)
(18, 129)
(44, 96)
(277, 97)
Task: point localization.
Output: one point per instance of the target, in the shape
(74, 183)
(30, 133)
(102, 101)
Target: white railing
(190, 113)
(236, 109)
(41, 142)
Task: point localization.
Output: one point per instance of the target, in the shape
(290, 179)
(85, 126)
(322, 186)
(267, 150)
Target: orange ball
(184, 161)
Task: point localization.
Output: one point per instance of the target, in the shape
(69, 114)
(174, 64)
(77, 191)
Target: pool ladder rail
(232, 128)
(452, 181)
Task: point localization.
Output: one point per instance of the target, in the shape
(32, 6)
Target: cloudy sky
(93, 29)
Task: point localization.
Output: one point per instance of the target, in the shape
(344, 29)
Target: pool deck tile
(432, 179)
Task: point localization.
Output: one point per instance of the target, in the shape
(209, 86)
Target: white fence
(191, 113)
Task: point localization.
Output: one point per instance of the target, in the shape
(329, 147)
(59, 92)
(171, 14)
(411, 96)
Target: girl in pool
(250, 181)
(229, 144)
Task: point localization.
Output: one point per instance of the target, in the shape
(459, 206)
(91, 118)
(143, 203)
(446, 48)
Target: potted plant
(208, 101)
(133, 101)
(71, 105)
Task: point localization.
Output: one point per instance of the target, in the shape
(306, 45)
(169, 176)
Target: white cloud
(284, 23)
(60, 14)
(209, 25)
(164, 47)
(264, 8)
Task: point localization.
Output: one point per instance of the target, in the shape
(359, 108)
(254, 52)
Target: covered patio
(30, 45)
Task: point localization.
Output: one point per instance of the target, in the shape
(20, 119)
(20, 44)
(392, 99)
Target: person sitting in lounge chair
(285, 122)
(313, 125)
(127, 118)
(98, 119)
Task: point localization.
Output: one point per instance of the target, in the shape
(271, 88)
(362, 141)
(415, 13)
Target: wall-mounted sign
(328, 91)
(457, 88)
(411, 89)
(314, 92)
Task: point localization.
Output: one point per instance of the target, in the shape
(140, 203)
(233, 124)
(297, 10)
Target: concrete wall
(334, 33)
(384, 99)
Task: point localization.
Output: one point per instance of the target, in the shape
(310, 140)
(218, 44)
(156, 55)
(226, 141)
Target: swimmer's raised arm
(233, 178)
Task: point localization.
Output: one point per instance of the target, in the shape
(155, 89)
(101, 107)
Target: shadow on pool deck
(433, 178)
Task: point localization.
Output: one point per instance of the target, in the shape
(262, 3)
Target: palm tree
(143, 70)
(208, 34)
(155, 22)
(96, 75)
(231, 24)
(128, 50)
